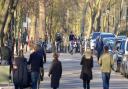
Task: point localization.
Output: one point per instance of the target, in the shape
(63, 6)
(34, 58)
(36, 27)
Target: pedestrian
(106, 63)
(87, 65)
(71, 40)
(36, 63)
(20, 72)
(55, 72)
(99, 47)
(42, 52)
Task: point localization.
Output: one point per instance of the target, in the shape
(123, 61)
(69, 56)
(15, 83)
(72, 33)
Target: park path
(71, 74)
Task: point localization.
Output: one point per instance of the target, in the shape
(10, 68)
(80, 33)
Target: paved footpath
(71, 75)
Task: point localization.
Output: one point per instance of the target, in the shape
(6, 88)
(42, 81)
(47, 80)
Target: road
(71, 74)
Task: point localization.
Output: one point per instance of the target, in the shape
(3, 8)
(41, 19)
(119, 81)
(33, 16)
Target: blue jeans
(35, 78)
(105, 78)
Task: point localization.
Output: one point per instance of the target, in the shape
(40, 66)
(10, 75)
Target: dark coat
(86, 72)
(36, 61)
(20, 75)
(99, 47)
(55, 72)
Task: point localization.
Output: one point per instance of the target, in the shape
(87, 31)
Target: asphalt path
(71, 74)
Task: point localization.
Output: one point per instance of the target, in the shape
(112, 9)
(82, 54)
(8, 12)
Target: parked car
(93, 38)
(110, 42)
(126, 66)
(123, 66)
(119, 55)
(106, 35)
(120, 37)
(124, 63)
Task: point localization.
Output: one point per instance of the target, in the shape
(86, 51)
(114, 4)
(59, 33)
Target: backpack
(21, 75)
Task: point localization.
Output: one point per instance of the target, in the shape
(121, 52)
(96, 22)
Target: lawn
(4, 74)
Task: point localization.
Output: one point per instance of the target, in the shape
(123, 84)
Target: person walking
(55, 72)
(36, 63)
(87, 65)
(106, 63)
(20, 72)
(99, 47)
(42, 52)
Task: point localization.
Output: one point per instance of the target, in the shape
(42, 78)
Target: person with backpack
(21, 77)
(87, 65)
(106, 62)
(55, 71)
(36, 63)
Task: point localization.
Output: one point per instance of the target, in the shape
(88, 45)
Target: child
(55, 71)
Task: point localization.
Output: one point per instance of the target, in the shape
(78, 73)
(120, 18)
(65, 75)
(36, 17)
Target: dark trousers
(18, 87)
(54, 88)
(86, 84)
(105, 78)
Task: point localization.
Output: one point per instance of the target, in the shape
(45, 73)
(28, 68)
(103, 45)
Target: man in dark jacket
(99, 47)
(55, 72)
(36, 63)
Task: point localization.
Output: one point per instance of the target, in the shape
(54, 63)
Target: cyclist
(71, 41)
(58, 41)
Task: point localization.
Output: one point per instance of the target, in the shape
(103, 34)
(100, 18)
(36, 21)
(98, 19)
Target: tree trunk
(4, 21)
(83, 18)
(98, 27)
(41, 18)
(119, 18)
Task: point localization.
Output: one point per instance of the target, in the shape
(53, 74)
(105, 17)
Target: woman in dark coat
(55, 72)
(20, 72)
(86, 72)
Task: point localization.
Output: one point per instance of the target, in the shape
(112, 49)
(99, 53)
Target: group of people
(105, 61)
(28, 73)
(63, 42)
(38, 58)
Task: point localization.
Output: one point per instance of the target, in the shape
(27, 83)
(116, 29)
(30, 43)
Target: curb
(9, 87)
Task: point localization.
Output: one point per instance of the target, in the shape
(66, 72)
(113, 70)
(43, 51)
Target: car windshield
(107, 35)
(95, 35)
(107, 40)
